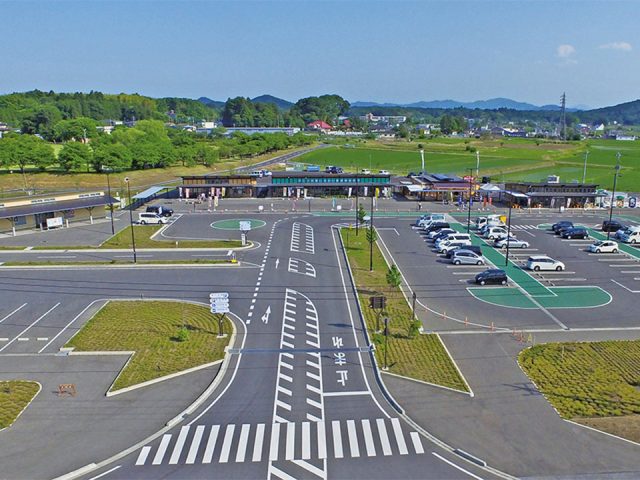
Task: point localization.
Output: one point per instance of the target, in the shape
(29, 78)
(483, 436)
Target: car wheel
(598, 250)
(633, 241)
(504, 247)
(558, 268)
(615, 250)
(143, 222)
(479, 262)
(482, 282)
(524, 245)
(503, 282)
(536, 268)
(457, 262)
(568, 237)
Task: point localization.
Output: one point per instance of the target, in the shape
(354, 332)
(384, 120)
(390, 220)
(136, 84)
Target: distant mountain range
(491, 104)
(278, 102)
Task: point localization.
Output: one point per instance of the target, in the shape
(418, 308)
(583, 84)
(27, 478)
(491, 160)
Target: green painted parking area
(234, 223)
(529, 292)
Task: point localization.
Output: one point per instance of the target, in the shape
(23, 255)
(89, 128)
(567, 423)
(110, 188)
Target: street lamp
(613, 194)
(469, 211)
(107, 170)
(584, 171)
(371, 231)
(422, 158)
(386, 342)
(506, 260)
(133, 237)
(477, 164)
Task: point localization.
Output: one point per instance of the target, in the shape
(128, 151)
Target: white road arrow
(265, 317)
(277, 263)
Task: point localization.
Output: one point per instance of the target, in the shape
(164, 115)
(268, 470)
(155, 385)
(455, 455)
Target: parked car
(451, 244)
(604, 246)
(435, 226)
(473, 248)
(513, 243)
(543, 262)
(632, 236)
(160, 210)
(493, 232)
(612, 226)
(384, 172)
(561, 224)
(151, 218)
(490, 220)
(575, 232)
(625, 231)
(454, 236)
(462, 256)
(493, 275)
(485, 228)
(425, 220)
(437, 235)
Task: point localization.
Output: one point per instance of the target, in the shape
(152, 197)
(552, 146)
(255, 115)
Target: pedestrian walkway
(204, 444)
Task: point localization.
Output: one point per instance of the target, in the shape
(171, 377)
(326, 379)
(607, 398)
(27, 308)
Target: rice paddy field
(508, 159)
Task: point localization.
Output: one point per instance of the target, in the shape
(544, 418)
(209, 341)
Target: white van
(426, 220)
(455, 237)
(632, 235)
(150, 218)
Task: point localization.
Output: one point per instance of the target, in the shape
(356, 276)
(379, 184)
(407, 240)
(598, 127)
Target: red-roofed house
(319, 125)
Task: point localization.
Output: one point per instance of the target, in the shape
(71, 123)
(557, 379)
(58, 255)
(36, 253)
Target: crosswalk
(302, 238)
(337, 439)
(524, 227)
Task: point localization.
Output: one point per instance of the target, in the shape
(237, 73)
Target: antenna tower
(563, 116)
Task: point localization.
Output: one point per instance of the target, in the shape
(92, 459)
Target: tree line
(149, 144)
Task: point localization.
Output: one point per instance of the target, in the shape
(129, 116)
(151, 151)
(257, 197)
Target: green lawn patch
(15, 395)
(49, 263)
(595, 379)
(152, 331)
(422, 357)
(143, 234)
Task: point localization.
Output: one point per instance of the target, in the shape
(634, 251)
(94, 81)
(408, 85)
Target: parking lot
(594, 290)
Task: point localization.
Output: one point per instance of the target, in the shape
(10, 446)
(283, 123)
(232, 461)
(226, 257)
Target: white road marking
(417, 443)
(291, 438)
(397, 430)
(16, 310)
(104, 474)
(144, 453)
(337, 440)
(368, 438)
(211, 444)
(195, 444)
(384, 439)
(177, 448)
(346, 394)
(257, 444)
(30, 326)
(322, 441)
(242, 443)
(279, 473)
(275, 438)
(226, 443)
(164, 443)
(353, 439)
(306, 440)
(456, 466)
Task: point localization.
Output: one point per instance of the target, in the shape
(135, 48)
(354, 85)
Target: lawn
(143, 234)
(151, 330)
(598, 379)
(503, 159)
(15, 395)
(47, 263)
(422, 357)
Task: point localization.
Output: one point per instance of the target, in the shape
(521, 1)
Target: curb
(26, 406)
(427, 383)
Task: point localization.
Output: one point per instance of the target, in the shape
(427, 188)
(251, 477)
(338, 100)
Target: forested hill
(38, 107)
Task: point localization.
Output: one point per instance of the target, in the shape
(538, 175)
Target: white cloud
(622, 46)
(565, 50)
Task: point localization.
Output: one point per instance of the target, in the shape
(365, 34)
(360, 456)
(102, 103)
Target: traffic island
(421, 357)
(15, 397)
(162, 337)
(596, 384)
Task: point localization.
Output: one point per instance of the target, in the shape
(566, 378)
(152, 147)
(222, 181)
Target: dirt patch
(626, 427)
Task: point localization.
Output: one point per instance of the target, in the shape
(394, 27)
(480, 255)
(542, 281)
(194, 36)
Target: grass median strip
(143, 234)
(409, 354)
(167, 337)
(49, 263)
(594, 383)
(15, 395)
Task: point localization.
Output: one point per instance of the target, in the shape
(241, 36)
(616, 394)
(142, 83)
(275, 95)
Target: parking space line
(30, 326)
(15, 311)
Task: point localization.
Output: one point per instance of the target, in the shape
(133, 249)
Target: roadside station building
(551, 195)
(436, 186)
(54, 211)
(285, 185)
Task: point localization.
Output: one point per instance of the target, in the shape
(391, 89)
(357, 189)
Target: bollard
(466, 322)
(493, 328)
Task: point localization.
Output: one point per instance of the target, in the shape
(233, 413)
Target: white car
(425, 220)
(384, 172)
(365, 171)
(604, 246)
(513, 243)
(542, 262)
(493, 232)
(152, 218)
(451, 244)
(435, 233)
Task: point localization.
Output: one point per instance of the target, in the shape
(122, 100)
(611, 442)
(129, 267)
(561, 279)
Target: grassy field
(422, 357)
(599, 379)
(502, 159)
(143, 234)
(151, 329)
(15, 395)
(49, 263)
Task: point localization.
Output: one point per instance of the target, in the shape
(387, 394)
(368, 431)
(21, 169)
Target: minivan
(438, 225)
(493, 232)
(160, 210)
(144, 218)
(428, 219)
(491, 220)
(472, 248)
(437, 234)
(462, 256)
(556, 227)
(611, 226)
(451, 244)
(633, 236)
(454, 236)
(542, 262)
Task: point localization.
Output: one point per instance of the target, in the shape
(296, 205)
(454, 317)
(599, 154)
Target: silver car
(466, 257)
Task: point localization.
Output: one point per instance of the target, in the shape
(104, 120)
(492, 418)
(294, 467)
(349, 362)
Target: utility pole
(613, 194)
(107, 170)
(563, 116)
(584, 171)
(477, 164)
(506, 259)
(133, 237)
(422, 158)
(357, 209)
(469, 211)
(371, 231)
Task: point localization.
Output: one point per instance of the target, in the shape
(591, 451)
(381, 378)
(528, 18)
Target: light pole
(613, 194)
(107, 170)
(386, 342)
(584, 171)
(477, 164)
(506, 259)
(422, 158)
(469, 211)
(133, 237)
(357, 210)
(371, 231)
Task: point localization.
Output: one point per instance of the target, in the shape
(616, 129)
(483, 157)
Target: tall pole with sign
(219, 303)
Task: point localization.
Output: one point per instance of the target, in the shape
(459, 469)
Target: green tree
(372, 237)
(361, 214)
(393, 277)
(74, 156)
(24, 150)
(112, 155)
(74, 129)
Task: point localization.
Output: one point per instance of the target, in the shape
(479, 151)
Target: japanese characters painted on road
(245, 225)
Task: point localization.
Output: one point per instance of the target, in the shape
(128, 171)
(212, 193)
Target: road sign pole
(386, 341)
(221, 325)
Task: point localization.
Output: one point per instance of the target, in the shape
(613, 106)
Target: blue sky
(393, 51)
